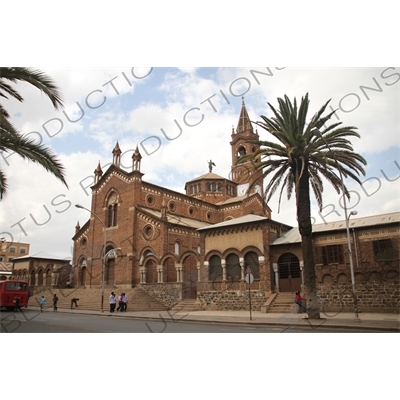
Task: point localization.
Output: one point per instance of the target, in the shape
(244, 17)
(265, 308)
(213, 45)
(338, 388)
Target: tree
(11, 141)
(301, 156)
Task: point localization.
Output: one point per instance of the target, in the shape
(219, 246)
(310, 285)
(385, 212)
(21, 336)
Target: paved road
(51, 322)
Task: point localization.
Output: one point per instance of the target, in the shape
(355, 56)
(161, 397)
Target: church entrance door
(189, 278)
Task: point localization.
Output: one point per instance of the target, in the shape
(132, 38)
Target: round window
(150, 200)
(148, 231)
(172, 206)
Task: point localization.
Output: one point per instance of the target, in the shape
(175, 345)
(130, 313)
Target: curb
(392, 326)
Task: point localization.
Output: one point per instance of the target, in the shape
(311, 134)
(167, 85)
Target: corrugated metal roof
(42, 255)
(176, 219)
(293, 235)
(236, 221)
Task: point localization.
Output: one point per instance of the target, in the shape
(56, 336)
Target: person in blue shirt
(42, 302)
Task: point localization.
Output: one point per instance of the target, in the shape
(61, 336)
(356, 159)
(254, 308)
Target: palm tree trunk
(305, 229)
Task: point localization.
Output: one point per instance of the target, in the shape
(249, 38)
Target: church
(205, 245)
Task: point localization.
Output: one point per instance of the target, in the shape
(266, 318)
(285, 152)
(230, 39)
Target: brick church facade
(199, 245)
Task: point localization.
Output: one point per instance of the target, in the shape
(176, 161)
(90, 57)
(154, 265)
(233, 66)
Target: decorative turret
(136, 157)
(117, 155)
(98, 173)
(77, 228)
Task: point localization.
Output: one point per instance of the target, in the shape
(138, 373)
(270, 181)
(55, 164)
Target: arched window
(40, 277)
(33, 279)
(233, 272)
(215, 268)
(48, 277)
(112, 210)
(251, 260)
(112, 215)
(177, 247)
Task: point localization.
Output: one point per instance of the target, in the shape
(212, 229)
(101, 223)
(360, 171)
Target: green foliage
(11, 141)
(297, 146)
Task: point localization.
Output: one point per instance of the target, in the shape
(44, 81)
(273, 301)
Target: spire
(244, 123)
(117, 155)
(77, 227)
(136, 157)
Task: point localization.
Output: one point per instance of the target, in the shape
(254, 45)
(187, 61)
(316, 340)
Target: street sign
(249, 278)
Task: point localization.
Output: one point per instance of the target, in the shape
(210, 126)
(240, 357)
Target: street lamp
(104, 252)
(347, 218)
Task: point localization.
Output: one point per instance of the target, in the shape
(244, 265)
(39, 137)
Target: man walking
(55, 301)
(113, 302)
(124, 302)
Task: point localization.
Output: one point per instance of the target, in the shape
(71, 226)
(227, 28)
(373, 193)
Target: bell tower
(244, 174)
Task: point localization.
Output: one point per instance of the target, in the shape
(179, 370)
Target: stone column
(207, 270)
(223, 263)
(241, 263)
(160, 274)
(178, 272)
(198, 272)
(276, 270)
(142, 274)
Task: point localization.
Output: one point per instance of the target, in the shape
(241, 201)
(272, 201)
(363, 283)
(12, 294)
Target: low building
(43, 270)
(375, 244)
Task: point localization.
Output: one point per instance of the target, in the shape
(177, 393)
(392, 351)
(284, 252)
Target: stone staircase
(188, 305)
(283, 304)
(90, 299)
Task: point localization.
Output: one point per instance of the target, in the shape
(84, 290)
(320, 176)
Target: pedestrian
(74, 301)
(120, 302)
(113, 302)
(42, 302)
(124, 302)
(55, 301)
(29, 295)
(300, 302)
(17, 302)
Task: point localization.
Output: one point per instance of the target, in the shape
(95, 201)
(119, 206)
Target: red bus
(9, 290)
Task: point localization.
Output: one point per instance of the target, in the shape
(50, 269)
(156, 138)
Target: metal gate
(289, 273)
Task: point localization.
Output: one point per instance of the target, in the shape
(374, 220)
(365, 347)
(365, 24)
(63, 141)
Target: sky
(180, 118)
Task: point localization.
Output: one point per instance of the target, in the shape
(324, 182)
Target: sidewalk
(378, 322)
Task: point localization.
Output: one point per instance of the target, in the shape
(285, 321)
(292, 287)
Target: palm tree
(302, 154)
(10, 139)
